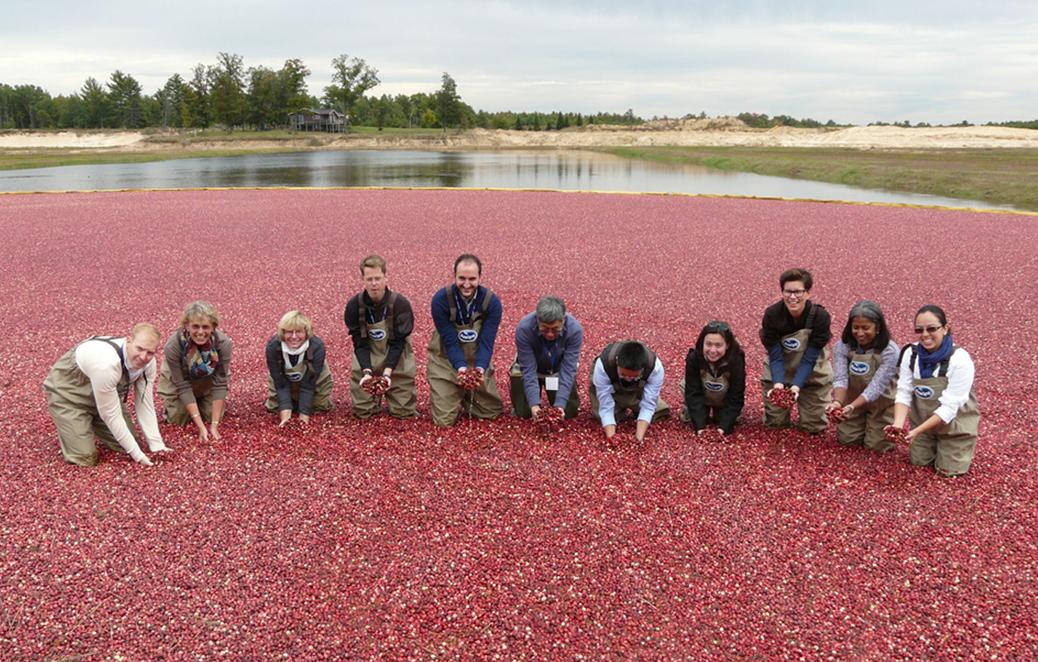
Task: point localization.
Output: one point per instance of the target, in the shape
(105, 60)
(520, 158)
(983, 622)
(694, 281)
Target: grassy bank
(997, 176)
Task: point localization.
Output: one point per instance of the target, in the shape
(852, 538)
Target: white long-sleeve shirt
(104, 369)
(604, 390)
(960, 381)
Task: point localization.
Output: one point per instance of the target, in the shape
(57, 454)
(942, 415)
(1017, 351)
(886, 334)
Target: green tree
(196, 98)
(124, 95)
(351, 78)
(172, 100)
(227, 90)
(293, 96)
(31, 107)
(448, 102)
(264, 107)
(95, 104)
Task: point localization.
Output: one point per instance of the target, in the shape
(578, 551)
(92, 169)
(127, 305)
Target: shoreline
(995, 165)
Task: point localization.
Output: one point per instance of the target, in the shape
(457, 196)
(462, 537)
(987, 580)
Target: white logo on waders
(859, 368)
(716, 387)
(924, 392)
(294, 376)
(468, 335)
(792, 344)
(377, 334)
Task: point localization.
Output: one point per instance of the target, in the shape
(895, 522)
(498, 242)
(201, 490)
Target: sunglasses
(928, 329)
(717, 327)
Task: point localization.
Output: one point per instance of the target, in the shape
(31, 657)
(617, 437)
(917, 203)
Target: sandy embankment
(694, 133)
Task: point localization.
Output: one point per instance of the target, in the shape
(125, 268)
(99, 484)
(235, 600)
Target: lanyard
(465, 310)
(552, 354)
(371, 313)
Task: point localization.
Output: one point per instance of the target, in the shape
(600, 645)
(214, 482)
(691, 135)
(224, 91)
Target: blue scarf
(928, 361)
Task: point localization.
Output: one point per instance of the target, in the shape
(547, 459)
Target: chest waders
(865, 425)
(72, 406)
(950, 447)
(814, 394)
(517, 389)
(625, 396)
(174, 410)
(401, 398)
(715, 389)
(295, 374)
(446, 397)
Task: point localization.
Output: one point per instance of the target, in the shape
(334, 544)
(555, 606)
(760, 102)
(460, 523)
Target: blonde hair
(197, 309)
(145, 328)
(294, 319)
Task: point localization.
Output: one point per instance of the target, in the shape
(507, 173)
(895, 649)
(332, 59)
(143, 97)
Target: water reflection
(583, 171)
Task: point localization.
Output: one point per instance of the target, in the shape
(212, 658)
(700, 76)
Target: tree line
(227, 94)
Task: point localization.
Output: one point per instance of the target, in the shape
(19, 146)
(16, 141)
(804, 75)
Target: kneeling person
(625, 376)
(466, 315)
(299, 379)
(795, 333)
(86, 392)
(548, 343)
(380, 323)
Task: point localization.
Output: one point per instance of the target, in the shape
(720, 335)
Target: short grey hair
(550, 309)
(870, 310)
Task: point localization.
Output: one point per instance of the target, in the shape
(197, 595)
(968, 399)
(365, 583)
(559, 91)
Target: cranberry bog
(397, 539)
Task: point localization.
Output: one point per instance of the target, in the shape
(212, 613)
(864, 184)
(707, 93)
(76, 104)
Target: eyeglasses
(791, 294)
(928, 329)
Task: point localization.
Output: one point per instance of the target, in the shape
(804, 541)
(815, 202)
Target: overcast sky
(934, 61)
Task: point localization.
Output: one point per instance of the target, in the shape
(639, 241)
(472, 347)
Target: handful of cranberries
(549, 419)
(782, 397)
(470, 379)
(837, 415)
(377, 386)
(895, 435)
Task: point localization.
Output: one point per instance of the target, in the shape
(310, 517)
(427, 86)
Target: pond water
(583, 171)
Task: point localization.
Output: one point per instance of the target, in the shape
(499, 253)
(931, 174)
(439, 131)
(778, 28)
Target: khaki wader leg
(402, 397)
(851, 432)
(175, 412)
(774, 417)
(364, 406)
(75, 431)
(517, 392)
(923, 450)
(683, 413)
(271, 403)
(955, 453)
(444, 393)
(485, 402)
(811, 406)
(106, 436)
(323, 390)
(572, 404)
(875, 422)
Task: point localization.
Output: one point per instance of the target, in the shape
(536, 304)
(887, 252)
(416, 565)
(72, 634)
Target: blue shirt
(441, 314)
(537, 355)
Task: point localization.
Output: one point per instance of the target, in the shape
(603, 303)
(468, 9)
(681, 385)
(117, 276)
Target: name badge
(551, 383)
(377, 334)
